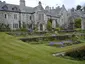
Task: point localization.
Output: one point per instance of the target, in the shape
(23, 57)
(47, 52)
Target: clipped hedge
(77, 53)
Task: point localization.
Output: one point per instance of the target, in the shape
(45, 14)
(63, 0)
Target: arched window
(41, 27)
(15, 16)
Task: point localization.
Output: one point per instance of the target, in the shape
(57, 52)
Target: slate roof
(76, 14)
(14, 8)
(9, 7)
(29, 9)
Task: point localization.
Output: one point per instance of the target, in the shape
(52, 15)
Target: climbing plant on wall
(78, 23)
(49, 25)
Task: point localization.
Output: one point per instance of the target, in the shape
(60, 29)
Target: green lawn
(13, 51)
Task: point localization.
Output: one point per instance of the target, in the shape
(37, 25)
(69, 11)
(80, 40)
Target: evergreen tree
(78, 7)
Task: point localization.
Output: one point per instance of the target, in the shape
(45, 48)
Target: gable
(5, 7)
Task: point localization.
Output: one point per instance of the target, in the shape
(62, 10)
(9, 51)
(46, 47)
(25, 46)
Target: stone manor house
(18, 15)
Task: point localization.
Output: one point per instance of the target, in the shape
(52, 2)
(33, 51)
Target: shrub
(4, 27)
(58, 29)
(78, 29)
(49, 25)
(23, 29)
(78, 53)
(67, 44)
(78, 23)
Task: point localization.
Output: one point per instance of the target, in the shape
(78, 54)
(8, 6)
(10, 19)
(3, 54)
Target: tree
(23, 28)
(78, 23)
(49, 25)
(78, 7)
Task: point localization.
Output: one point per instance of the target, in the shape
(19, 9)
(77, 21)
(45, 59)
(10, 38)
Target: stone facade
(18, 15)
(75, 14)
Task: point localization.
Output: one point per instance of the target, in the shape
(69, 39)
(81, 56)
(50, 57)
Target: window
(14, 8)
(41, 27)
(30, 17)
(39, 16)
(24, 25)
(5, 16)
(15, 16)
(15, 25)
(61, 13)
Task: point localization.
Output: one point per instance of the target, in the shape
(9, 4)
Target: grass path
(13, 51)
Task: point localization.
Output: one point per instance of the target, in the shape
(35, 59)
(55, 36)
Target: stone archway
(30, 26)
(41, 27)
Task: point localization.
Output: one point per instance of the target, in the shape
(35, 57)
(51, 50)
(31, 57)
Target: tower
(22, 2)
(22, 9)
(22, 5)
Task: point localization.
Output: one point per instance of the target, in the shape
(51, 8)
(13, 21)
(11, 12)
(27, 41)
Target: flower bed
(61, 44)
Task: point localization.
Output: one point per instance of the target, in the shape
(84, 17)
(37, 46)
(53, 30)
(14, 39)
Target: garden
(30, 47)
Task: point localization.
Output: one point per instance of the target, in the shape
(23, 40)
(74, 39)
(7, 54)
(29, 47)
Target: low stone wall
(18, 33)
(67, 31)
(25, 33)
(44, 38)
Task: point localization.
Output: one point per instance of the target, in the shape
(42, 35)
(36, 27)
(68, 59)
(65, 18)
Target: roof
(38, 8)
(9, 7)
(16, 8)
(53, 12)
(13, 8)
(29, 9)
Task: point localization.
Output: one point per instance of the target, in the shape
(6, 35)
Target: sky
(52, 3)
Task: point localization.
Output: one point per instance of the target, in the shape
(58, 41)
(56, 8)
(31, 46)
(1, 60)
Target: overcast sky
(52, 3)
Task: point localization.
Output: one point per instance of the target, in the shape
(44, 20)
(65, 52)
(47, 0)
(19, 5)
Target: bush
(78, 29)
(78, 53)
(78, 23)
(49, 25)
(67, 44)
(4, 27)
(23, 29)
(58, 29)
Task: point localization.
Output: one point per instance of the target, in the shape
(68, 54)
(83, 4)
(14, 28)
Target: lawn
(13, 51)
